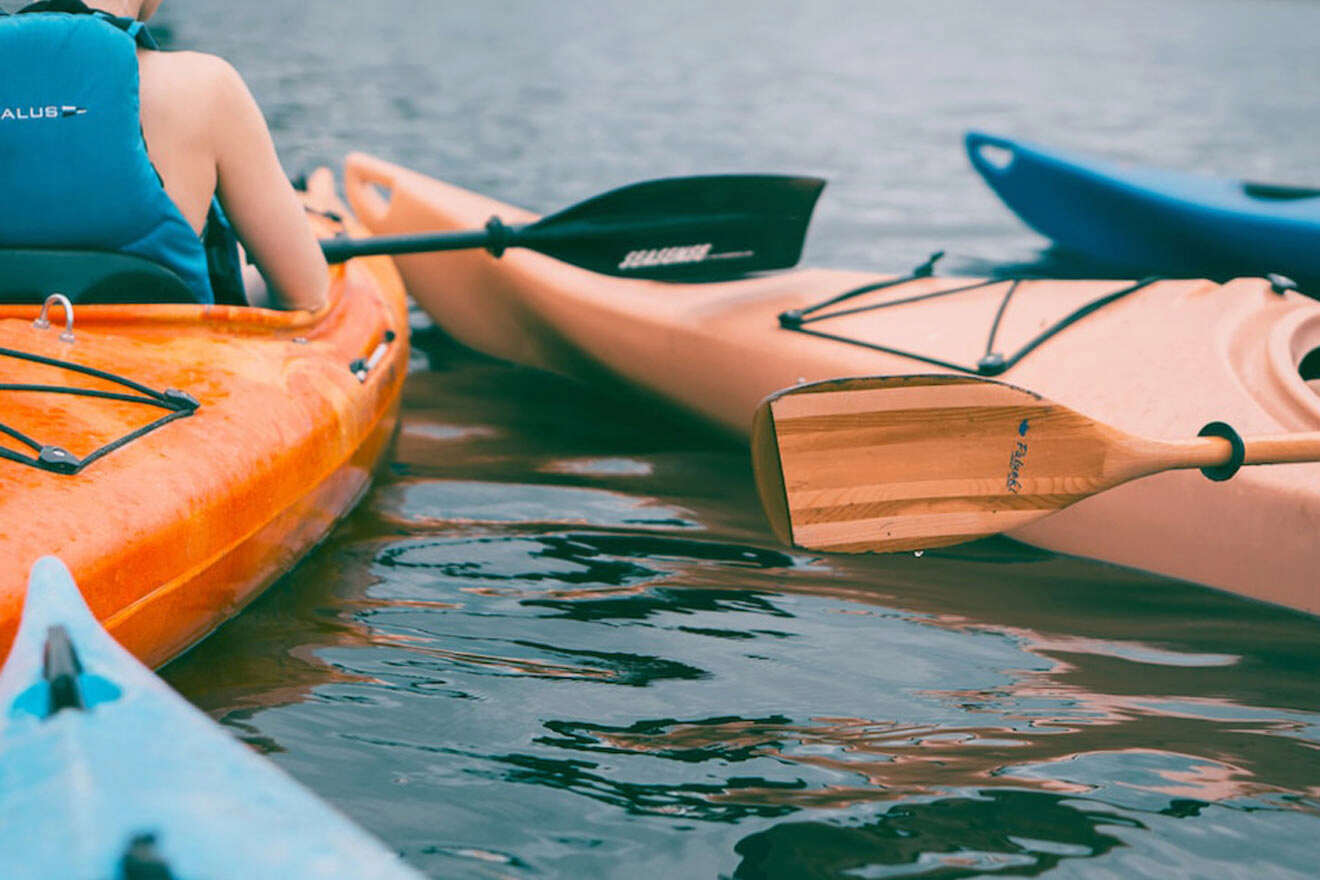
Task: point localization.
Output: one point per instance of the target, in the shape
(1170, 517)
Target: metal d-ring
(43, 319)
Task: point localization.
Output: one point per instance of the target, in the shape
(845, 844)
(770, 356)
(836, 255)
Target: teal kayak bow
(107, 774)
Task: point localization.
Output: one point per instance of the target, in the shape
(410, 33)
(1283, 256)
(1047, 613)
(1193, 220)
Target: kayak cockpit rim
(238, 318)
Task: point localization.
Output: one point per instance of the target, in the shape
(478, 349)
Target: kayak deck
(175, 531)
(1161, 362)
(135, 774)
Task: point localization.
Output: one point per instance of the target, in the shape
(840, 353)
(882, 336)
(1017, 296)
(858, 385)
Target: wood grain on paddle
(912, 462)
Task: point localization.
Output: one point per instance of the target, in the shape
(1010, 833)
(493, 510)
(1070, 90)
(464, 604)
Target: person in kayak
(108, 144)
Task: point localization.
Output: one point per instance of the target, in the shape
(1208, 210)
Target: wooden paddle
(913, 462)
(680, 228)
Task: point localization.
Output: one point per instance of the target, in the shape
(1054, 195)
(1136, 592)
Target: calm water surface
(556, 639)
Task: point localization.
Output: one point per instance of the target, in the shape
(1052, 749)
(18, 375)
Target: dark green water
(557, 641)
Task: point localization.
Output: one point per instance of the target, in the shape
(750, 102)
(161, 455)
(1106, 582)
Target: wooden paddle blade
(683, 228)
(912, 462)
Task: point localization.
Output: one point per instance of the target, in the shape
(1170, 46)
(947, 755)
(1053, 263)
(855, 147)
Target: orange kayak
(188, 512)
(1159, 359)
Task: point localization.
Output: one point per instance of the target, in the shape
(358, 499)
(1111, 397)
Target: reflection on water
(985, 832)
(557, 641)
(509, 668)
(433, 501)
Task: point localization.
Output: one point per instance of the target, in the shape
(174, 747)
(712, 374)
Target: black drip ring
(497, 240)
(1222, 472)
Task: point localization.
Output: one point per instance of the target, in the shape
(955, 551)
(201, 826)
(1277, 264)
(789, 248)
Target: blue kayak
(1151, 220)
(107, 774)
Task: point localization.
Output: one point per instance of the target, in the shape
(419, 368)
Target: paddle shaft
(1270, 449)
(1216, 452)
(338, 250)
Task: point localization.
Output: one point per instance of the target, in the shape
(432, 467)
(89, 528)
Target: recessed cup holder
(1308, 366)
(1294, 358)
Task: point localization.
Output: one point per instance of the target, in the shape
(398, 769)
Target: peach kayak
(180, 458)
(1156, 358)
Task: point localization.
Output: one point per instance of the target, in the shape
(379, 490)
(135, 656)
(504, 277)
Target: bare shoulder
(196, 102)
(195, 75)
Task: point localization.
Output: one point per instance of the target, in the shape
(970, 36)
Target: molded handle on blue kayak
(976, 141)
(1278, 192)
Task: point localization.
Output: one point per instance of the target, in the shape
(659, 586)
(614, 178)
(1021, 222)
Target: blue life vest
(74, 169)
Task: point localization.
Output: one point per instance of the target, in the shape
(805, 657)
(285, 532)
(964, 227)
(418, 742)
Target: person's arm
(259, 200)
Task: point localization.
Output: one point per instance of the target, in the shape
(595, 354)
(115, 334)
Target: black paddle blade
(683, 228)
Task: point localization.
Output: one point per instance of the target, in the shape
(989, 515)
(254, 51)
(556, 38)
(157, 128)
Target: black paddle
(689, 228)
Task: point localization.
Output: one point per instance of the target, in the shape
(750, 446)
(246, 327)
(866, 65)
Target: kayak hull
(174, 532)
(1161, 362)
(1153, 220)
(77, 787)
